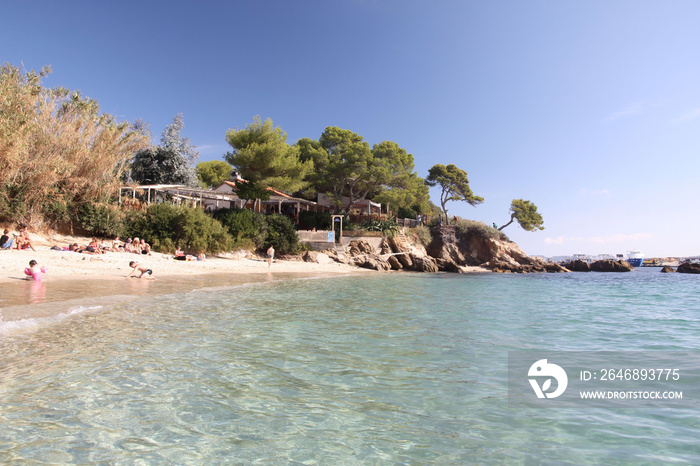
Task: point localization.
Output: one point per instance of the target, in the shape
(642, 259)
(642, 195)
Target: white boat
(635, 258)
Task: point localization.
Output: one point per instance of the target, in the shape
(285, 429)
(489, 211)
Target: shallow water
(391, 368)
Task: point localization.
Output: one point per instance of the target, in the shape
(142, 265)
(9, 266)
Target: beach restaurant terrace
(211, 200)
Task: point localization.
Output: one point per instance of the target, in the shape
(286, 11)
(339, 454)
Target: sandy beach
(61, 265)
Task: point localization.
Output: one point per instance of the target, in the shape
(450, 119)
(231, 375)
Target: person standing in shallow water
(270, 256)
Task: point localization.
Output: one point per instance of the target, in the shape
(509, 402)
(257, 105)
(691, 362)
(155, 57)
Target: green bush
(200, 232)
(157, 223)
(281, 234)
(248, 228)
(100, 220)
(422, 232)
(472, 227)
(56, 213)
(167, 226)
(387, 227)
(166, 246)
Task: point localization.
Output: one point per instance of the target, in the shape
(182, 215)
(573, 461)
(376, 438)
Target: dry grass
(56, 147)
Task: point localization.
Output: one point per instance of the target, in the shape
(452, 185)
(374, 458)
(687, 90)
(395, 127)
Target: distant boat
(581, 257)
(635, 258)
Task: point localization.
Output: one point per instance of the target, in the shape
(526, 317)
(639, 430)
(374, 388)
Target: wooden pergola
(198, 195)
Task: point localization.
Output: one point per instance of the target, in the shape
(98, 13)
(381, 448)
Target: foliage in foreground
(281, 234)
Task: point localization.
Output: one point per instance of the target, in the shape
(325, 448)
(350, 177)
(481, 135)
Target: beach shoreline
(68, 265)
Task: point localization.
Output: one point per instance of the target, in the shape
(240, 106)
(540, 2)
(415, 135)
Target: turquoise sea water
(381, 369)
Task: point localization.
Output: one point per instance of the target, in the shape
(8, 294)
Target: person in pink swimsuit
(34, 272)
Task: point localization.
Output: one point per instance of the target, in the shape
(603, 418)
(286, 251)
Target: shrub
(158, 222)
(57, 146)
(167, 246)
(57, 212)
(422, 232)
(472, 227)
(387, 227)
(248, 228)
(99, 220)
(281, 234)
(166, 226)
(199, 232)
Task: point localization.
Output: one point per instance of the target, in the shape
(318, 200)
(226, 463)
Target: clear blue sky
(591, 110)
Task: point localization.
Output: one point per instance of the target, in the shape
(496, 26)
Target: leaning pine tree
(525, 213)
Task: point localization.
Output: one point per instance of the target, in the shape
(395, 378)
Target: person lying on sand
(145, 271)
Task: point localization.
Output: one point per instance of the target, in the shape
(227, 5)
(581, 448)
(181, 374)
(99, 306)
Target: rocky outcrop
(578, 266)
(424, 264)
(667, 269)
(687, 267)
(363, 254)
(448, 266)
(360, 247)
(394, 263)
(449, 251)
(371, 262)
(453, 250)
(611, 266)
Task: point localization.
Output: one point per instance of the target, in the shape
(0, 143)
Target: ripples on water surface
(381, 369)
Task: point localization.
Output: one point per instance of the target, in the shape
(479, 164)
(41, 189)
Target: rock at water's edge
(578, 266)
(687, 267)
(611, 266)
(452, 249)
(667, 269)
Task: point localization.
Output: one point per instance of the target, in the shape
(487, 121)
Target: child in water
(34, 272)
(145, 271)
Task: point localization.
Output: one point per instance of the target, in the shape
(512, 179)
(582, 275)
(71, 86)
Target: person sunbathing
(145, 247)
(23, 241)
(136, 245)
(180, 254)
(5, 240)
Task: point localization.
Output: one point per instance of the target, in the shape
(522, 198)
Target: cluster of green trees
(340, 163)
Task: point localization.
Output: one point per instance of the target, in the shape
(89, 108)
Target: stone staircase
(402, 241)
(340, 250)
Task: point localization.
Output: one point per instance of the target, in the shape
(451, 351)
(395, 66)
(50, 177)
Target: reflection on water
(35, 291)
